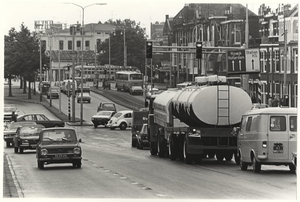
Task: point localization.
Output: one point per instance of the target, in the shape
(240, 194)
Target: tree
(135, 40)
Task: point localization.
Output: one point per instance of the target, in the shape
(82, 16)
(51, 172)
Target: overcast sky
(14, 12)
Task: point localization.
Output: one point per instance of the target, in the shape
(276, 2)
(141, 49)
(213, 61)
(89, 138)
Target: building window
(87, 45)
(69, 45)
(61, 45)
(282, 60)
(277, 60)
(295, 57)
(78, 44)
(263, 60)
(237, 33)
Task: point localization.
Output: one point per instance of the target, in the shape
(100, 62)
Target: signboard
(41, 25)
(252, 60)
(236, 62)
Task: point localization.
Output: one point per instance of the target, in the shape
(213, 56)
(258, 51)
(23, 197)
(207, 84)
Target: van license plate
(278, 148)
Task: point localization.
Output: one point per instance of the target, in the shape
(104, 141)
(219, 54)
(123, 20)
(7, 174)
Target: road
(112, 169)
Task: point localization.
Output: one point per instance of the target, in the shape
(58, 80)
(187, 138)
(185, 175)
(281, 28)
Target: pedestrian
(275, 102)
(270, 102)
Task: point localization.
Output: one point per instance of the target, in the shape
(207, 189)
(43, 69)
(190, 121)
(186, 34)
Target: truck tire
(153, 149)
(228, 156)
(198, 158)
(220, 156)
(161, 148)
(188, 158)
(172, 149)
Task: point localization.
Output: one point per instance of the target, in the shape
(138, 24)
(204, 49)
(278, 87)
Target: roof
(99, 27)
(128, 72)
(273, 110)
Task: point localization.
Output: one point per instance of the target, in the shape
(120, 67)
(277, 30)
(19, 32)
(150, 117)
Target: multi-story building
(279, 68)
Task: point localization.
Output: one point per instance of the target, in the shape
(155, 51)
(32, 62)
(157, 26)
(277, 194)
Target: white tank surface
(218, 105)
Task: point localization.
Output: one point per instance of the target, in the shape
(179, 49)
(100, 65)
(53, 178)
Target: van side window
(293, 123)
(248, 126)
(277, 123)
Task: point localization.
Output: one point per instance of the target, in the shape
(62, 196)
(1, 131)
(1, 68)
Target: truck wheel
(153, 149)
(228, 156)
(220, 156)
(256, 165)
(172, 149)
(188, 158)
(123, 126)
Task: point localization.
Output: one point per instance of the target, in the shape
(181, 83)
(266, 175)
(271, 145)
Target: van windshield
(277, 123)
(293, 123)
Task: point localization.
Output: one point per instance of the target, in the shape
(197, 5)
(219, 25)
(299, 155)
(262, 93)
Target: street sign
(252, 60)
(236, 61)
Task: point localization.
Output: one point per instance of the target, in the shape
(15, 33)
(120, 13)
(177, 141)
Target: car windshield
(59, 135)
(117, 115)
(104, 113)
(30, 130)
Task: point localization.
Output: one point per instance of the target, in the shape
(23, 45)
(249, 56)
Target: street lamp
(82, 44)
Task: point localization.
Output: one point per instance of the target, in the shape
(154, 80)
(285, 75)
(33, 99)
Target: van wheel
(243, 165)
(256, 165)
(237, 159)
(123, 126)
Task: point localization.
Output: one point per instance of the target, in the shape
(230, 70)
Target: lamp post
(125, 58)
(82, 49)
(285, 90)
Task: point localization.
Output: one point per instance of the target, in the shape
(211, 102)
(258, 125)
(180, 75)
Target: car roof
(273, 110)
(125, 111)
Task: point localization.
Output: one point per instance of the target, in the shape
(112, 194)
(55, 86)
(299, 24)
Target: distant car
(102, 118)
(41, 119)
(107, 106)
(122, 120)
(142, 137)
(136, 90)
(27, 137)
(54, 93)
(11, 130)
(85, 97)
(259, 106)
(10, 112)
(44, 87)
(58, 145)
(152, 91)
(85, 88)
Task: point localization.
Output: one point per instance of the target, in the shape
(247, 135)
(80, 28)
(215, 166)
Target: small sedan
(136, 90)
(11, 130)
(54, 92)
(27, 137)
(41, 119)
(102, 118)
(85, 97)
(142, 137)
(58, 145)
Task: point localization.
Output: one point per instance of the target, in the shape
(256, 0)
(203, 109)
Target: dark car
(106, 106)
(10, 112)
(11, 130)
(44, 87)
(102, 118)
(142, 137)
(41, 119)
(27, 137)
(58, 145)
(54, 93)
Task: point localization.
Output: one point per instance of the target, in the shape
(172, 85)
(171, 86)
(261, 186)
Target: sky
(16, 12)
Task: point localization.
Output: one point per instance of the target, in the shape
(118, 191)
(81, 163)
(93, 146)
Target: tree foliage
(135, 40)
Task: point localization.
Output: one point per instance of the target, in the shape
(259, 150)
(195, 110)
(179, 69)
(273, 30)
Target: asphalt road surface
(112, 169)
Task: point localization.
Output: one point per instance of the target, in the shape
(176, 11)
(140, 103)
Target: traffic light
(148, 49)
(286, 100)
(199, 50)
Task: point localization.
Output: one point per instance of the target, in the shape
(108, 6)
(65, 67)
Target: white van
(122, 119)
(267, 136)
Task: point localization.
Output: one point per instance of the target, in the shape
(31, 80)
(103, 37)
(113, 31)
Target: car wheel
(16, 150)
(256, 165)
(243, 165)
(95, 125)
(40, 164)
(7, 144)
(133, 143)
(123, 126)
(21, 150)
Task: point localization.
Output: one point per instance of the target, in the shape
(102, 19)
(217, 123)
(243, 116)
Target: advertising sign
(236, 61)
(252, 60)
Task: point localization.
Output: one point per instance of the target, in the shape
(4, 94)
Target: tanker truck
(196, 122)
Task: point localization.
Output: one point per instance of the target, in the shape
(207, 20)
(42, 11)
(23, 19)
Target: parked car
(136, 90)
(107, 106)
(41, 119)
(44, 87)
(86, 97)
(11, 130)
(10, 112)
(27, 137)
(142, 137)
(58, 145)
(121, 119)
(102, 118)
(54, 91)
(152, 91)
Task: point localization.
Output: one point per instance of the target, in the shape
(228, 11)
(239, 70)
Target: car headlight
(76, 150)
(44, 152)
